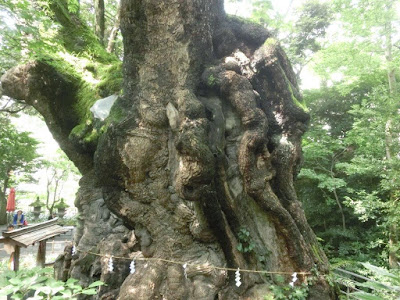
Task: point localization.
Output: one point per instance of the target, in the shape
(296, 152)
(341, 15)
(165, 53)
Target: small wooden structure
(29, 235)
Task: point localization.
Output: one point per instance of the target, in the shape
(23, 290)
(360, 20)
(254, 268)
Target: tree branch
(10, 111)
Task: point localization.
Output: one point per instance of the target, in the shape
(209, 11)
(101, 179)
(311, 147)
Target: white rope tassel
(237, 278)
(108, 259)
(132, 267)
(184, 266)
(110, 264)
(294, 279)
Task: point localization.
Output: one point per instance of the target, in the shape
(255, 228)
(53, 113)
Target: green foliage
(303, 34)
(17, 150)
(308, 32)
(211, 80)
(73, 6)
(343, 159)
(245, 244)
(27, 29)
(365, 28)
(288, 292)
(57, 33)
(110, 80)
(69, 220)
(58, 171)
(377, 283)
(262, 12)
(283, 291)
(18, 156)
(39, 284)
(346, 147)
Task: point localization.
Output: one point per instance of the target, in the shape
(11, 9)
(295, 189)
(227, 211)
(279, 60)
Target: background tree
(18, 160)
(336, 164)
(301, 30)
(362, 109)
(58, 172)
(100, 19)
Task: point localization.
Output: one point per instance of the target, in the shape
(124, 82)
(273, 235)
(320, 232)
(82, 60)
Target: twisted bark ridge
(207, 152)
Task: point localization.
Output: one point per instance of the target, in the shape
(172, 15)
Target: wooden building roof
(32, 234)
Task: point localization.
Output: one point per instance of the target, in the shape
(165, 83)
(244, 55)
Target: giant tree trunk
(209, 148)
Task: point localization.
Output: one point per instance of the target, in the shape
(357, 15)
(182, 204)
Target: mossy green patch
(78, 130)
(270, 42)
(316, 251)
(211, 80)
(117, 113)
(82, 61)
(299, 103)
(92, 136)
(86, 99)
(105, 80)
(76, 36)
(237, 19)
(111, 80)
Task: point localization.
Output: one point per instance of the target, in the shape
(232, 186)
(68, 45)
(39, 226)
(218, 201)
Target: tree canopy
(18, 160)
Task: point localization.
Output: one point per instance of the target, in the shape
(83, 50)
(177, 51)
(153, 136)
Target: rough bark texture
(209, 147)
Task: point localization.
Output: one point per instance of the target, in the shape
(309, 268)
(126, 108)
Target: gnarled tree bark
(210, 147)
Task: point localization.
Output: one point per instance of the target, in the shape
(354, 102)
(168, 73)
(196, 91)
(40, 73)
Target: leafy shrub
(284, 291)
(380, 284)
(38, 284)
(245, 244)
(288, 292)
(386, 286)
(69, 220)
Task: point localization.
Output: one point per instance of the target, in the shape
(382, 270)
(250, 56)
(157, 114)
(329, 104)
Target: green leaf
(374, 285)
(15, 281)
(66, 293)
(89, 292)
(365, 296)
(96, 283)
(77, 289)
(72, 283)
(380, 271)
(16, 296)
(71, 280)
(52, 283)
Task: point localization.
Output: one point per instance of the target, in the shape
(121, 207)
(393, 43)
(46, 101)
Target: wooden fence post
(16, 257)
(41, 254)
